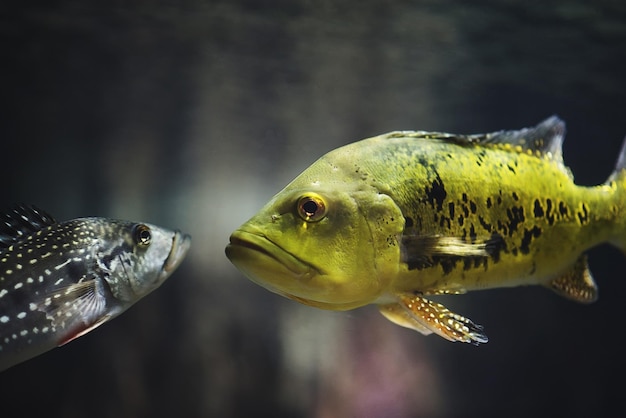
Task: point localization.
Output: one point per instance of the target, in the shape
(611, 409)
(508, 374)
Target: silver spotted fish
(60, 280)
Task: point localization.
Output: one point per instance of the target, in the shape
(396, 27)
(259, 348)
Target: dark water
(192, 114)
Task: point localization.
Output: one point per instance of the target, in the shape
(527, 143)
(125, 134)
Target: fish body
(60, 280)
(394, 219)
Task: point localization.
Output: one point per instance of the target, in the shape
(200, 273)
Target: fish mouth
(249, 248)
(267, 264)
(180, 245)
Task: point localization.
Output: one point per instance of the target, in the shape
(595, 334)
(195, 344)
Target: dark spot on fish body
(583, 216)
(495, 245)
(538, 211)
(461, 220)
(115, 253)
(502, 228)
(436, 193)
(447, 264)
(414, 221)
(472, 207)
(464, 197)
(424, 162)
(488, 202)
(481, 261)
(515, 196)
(412, 252)
(516, 217)
(486, 225)
(467, 263)
(511, 168)
(480, 155)
(419, 264)
(529, 234)
(563, 209)
(465, 211)
(451, 209)
(472, 233)
(549, 214)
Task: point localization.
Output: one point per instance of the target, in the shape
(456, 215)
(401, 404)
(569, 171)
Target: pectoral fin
(76, 309)
(576, 283)
(425, 316)
(444, 245)
(423, 251)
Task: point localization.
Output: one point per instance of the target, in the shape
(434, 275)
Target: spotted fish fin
(20, 221)
(544, 139)
(425, 316)
(576, 283)
(76, 309)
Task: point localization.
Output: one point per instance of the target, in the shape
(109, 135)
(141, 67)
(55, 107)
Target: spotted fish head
(136, 258)
(60, 280)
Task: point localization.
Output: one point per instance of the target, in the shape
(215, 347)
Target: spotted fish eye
(311, 207)
(142, 235)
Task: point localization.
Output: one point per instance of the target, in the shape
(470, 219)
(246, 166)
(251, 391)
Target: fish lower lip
(263, 245)
(180, 245)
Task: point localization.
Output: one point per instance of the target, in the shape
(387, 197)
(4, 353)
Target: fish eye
(311, 207)
(142, 235)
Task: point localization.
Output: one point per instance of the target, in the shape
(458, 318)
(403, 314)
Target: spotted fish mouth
(246, 246)
(180, 245)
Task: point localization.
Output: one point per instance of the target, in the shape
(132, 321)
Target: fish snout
(180, 246)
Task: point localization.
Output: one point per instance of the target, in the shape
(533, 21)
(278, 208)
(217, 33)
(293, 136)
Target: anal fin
(425, 316)
(83, 329)
(576, 283)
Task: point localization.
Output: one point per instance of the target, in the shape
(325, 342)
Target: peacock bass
(394, 219)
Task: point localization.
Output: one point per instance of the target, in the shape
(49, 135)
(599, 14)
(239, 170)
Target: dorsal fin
(20, 221)
(545, 139)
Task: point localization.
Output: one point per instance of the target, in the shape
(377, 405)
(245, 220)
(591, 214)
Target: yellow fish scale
(542, 219)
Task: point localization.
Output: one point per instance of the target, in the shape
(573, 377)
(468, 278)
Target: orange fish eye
(311, 207)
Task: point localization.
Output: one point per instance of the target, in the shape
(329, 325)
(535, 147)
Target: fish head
(139, 257)
(327, 244)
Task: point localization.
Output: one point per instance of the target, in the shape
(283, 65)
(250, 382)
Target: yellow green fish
(395, 219)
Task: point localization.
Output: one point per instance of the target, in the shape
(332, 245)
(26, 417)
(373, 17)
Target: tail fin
(617, 179)
(620, 166)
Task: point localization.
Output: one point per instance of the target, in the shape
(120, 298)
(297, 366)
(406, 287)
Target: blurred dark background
(192, 114)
